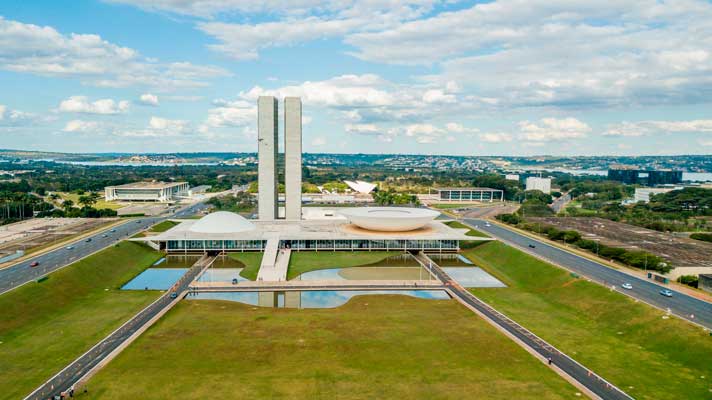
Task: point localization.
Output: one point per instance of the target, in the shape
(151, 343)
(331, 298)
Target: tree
(67, 205)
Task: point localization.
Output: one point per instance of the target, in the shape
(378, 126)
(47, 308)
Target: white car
(627, 286)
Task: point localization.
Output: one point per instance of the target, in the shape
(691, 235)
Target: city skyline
(418, 77)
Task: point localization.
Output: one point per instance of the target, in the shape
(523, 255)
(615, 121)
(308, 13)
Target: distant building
(146, 191)
(512, 177)
(535, 183)
(469, 194)
(632, 176)
(643, 194)
(705, 282)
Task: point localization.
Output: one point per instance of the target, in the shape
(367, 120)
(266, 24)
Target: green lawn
(375, 347)
(44, 326)
(305, 261)
(460, 225)
(626, 342)
(163, 226)
(99, 204)
(251, 262)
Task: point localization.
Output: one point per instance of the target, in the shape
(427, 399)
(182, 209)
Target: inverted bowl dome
(389, 219)
(222, 222)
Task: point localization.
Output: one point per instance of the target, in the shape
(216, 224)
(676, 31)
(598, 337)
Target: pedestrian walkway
(261, 286)
(275, 262)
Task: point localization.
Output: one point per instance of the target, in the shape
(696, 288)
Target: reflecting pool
(310, 299)
(155, 279)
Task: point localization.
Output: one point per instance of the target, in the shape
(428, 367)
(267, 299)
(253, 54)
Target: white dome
(389, 219)
(222, 222)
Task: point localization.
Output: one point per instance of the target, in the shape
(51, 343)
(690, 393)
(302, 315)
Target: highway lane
(680, 304)
(21, 273)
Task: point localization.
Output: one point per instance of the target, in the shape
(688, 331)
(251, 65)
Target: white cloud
(160, 127)
(495, 137)
(82, 104)
(438, 96)
(340, 91)
(15, 118)
(382, 134)
(80, 126)
(538, 52)
(149, 99)
(549, 129)
(318, 141)
(642, 128)
(42, 50)
(327, 20)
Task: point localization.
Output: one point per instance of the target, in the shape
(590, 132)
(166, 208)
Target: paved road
(581, 374)
(74, 372)
(680, 304)
(561, 202)
(21, 273)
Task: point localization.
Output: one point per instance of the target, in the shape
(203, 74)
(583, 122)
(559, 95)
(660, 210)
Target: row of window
(469, 195)
(315, 244)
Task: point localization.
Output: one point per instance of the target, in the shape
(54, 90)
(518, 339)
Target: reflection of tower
(293, 157)
(267, 141)
(293, 299)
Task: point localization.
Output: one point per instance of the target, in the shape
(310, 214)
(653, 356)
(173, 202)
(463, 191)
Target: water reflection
(310, 299)
(155, 279)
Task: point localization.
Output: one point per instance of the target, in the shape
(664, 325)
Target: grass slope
(163, 226)
(626, 342)
(301, 262)
(460, 225)
(251, 262)
(375, 347)
(44, 326)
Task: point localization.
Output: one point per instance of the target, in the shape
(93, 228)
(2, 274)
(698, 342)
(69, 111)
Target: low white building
(512, 177)
(643, 194)
(536, 183)
(146, 191)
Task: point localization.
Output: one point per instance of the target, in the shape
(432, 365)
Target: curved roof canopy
(361, 186)
(389, 219)
(222, 222)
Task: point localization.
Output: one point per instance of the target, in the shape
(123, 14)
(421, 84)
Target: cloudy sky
(506, 77)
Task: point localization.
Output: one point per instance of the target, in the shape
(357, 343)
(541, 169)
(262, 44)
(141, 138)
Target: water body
(313, 299)
(451, 260)
(131, 164)
(221, 275)
(155, 279)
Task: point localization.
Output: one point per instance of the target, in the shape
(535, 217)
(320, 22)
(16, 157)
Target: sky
(504, 77)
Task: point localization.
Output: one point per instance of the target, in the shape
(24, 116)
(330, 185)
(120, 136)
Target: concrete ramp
(275, 263)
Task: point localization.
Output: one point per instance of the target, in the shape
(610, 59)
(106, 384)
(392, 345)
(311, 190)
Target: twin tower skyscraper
(268, 156)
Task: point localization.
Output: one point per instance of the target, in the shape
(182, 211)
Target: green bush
(705, 237)
(689, 280)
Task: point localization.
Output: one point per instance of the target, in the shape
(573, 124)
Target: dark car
(34, 264)
(532, 246)
(174, 295)
(88, 240)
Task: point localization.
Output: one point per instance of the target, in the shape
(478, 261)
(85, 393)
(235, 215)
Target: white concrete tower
(293, 157)
(267, 142)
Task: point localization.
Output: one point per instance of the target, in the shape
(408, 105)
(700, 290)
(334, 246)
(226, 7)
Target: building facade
(268, 137)
(536, 183)
(485, 195)
(162, 192)
(633, 176)
(293, 157)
